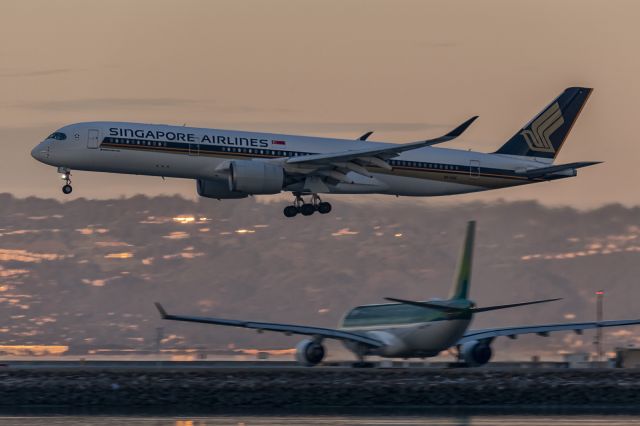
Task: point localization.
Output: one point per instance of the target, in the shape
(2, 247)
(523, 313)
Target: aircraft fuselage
(197, 153)
(426, 339)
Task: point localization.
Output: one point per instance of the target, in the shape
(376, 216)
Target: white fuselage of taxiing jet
(425, 339)
(197, 153)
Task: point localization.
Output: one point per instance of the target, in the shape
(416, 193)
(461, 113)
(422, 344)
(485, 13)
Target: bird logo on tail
(538, 134)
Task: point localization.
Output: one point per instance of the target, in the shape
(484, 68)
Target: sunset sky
(406, 69)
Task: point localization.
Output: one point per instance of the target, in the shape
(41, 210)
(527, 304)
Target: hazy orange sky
(407, 69)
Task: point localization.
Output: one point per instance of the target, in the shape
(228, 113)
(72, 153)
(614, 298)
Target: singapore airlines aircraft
(408, 329)
(235, 164)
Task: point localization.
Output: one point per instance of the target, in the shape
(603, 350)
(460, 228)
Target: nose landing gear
(66, 177)
(307, 209)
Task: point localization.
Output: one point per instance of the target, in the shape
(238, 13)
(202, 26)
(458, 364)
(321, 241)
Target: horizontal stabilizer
(453, 309)
(512, 305)
(428, 305)
(545, 171)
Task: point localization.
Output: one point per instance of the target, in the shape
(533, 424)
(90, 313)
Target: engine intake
(476, 353)
(218, 189)
(309, 352)
(255, 177)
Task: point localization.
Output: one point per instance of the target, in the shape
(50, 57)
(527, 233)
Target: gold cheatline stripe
(241, 154)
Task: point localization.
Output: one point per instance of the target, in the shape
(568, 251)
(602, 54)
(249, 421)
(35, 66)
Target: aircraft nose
(39, 152)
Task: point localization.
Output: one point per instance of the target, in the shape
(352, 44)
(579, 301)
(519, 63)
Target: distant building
(577, 360)
(627, 357)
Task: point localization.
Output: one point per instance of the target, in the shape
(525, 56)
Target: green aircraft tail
(460, 289)
(458, 303)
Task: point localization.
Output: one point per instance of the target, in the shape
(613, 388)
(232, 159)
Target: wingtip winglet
(461, 128)
(160, 309)
(365, 136)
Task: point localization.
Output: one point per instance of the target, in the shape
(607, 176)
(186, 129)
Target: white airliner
(409, 329)
(235, 164)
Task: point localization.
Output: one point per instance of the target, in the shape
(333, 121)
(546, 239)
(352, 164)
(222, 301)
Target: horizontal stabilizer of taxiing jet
(428, 305)
(441, 306)
(546, 171)
(512, 305)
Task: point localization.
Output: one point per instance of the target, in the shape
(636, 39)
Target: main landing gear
(66, 177)
(362, 362)
(307, 209)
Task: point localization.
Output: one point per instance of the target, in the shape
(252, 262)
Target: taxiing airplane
(235, 164)
(410, 329)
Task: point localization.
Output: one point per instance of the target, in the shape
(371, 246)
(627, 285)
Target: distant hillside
(85, 273)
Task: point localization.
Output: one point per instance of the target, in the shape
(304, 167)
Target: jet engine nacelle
(476, 353)
(309, 352)
(255, 177)
(218, 189)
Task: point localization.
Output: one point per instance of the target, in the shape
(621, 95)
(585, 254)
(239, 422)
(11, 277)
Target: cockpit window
(57, 136)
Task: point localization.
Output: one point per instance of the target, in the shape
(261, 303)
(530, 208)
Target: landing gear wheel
(307, 209)
(66, 177)
(324, 207)
(363, 364)
(290, 211)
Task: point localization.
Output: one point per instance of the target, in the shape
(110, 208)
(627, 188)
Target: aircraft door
(93, 138)
(474, 168)
(194, 149)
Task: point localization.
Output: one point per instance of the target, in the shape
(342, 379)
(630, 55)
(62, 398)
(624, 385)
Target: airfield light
(63, 176)
(599, 315)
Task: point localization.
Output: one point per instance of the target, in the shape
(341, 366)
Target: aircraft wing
(542, 330)
(282, 328)
(374, 156)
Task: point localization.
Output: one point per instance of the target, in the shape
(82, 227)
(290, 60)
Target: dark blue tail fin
(543, 136)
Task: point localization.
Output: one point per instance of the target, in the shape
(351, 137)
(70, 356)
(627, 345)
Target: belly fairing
(418, 340)
(405, 186)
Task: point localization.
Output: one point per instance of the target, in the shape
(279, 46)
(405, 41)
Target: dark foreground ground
(322, 387)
